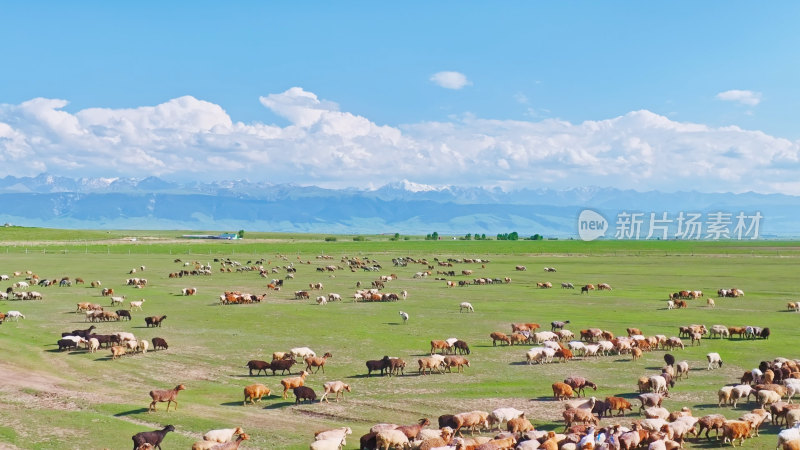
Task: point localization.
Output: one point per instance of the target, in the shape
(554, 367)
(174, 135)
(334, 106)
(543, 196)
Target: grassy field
(60, 400)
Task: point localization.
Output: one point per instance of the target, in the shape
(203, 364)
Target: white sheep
(404, 316)
(789, 434)
(322, 300)
(327, 444)
(741, 391)
(339, 434)
(681, 369)
(714, 360)
(125, 336)
(222, 435)
(391, 439)
(143, 346)
(580, 403)
(577, 346)
(501, 415)
(301, 353)
(467, 306)
(658, 384)
(94, 344)
(137, 305)
(14, 315)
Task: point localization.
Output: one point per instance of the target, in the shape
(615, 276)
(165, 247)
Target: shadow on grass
(131, 412)
(231, 404)
(519, 363)
(280, 405)
(392, 323)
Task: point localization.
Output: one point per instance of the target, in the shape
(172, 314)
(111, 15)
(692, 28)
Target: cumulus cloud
(450, 80)
(187, 138)
(749, 98)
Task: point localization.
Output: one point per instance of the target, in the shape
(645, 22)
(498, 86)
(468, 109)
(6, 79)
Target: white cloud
(749, 98)
(186, 138)
(450, 80)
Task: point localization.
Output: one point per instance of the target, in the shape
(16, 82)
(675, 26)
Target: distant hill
(404, 207)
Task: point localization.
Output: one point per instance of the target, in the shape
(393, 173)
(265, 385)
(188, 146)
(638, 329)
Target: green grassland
(71, 400)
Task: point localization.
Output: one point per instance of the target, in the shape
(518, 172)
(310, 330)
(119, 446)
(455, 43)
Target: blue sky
(543, 94)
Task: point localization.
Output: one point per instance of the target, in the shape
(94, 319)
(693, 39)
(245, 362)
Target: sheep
(378, 364)
(656, 412)
(788, 435)
(170, 396)
(280, 355)
(391, 438)
(304, 393)
(94, 344)
(301, 353)
(327, 444)
(650, 399)
(293, 382)
(154, 321)
(153, 438)
(714, 360)
(458, 361)
(222, 435)
(735, 429)
(498, 336)
(659, 384)
(136, 304)
(335, 387)
(429, 363)
(117, 351)
(412, 431)
(562, 390)
(467, 306)
(755, 418)
(429, 443)
(161, 343)
(767, 397)
(501, 415)
(319, 363)
(232, 445)
(578, 384)
(67, 344)
(618, 404)
(472, 420)
(573, 415)
(254, 392)
(14, 315)
(322, 300)
(682, 369)
(336, 433)
(404, 316)
(740, 391)
(461, 347)
(282, 364)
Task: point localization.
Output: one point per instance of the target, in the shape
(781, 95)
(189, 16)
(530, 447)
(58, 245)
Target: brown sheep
(117, 351)
(562, 391)
(618, 404)
(519, 425)
(581, 415)
(315, 361)
(471, 420)
(455, 361)
(710, 422)
(498, 336)
(170, 396)
(254, 392)
(735, 429)
(293, 382)
(518, 338)
(429, 364)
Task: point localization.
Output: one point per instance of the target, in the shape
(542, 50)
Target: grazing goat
(170, 396)
(161, 343)
(153, 438)
(154, 321)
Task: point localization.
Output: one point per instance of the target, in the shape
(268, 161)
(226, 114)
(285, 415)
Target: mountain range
(404, 207)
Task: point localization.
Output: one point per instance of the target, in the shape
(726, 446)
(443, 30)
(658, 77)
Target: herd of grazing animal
(441, 361)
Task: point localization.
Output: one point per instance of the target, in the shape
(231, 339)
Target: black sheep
(153, 438)
(765, 333)
(281, 364)
(669, 359)
(368, 441)
(378, 364)
(67, 344)
(460, 346)
(259, 366)
(304, 393)
(158, 342)
(124, 313)
(447, 420)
